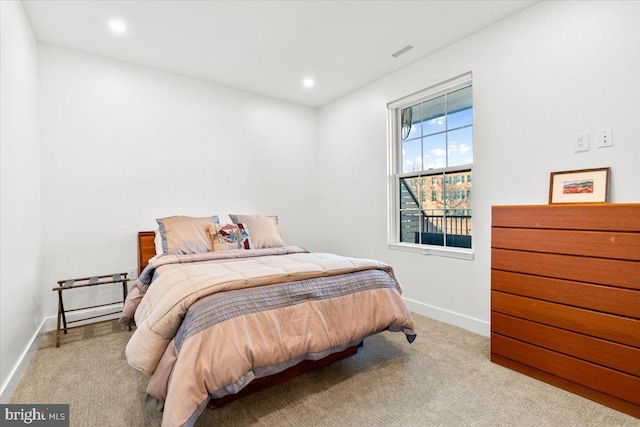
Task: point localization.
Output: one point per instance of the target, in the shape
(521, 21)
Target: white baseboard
(10, 385)
(465, 322)
(48, 324)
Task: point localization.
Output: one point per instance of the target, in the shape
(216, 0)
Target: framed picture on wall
(580, 186)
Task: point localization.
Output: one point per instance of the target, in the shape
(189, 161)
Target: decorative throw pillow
(264, 230)
(229, 236)
(185, 235)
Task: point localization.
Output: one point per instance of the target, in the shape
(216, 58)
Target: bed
(216, 324)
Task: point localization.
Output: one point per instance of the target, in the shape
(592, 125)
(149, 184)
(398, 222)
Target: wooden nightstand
(69, 284)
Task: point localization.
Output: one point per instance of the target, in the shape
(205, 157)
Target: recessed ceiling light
(308, 82)
(117, 27)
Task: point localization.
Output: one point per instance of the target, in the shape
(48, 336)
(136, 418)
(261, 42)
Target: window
(432, 145)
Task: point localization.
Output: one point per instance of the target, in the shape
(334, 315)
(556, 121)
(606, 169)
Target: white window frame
(394, 155)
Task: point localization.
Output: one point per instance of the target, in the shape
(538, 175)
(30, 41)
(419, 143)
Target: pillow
(234, 218)
(157, 241)
(263, 229)
(185, 235)
(229, 236)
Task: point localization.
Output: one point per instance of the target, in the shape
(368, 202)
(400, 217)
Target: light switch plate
(605, 138)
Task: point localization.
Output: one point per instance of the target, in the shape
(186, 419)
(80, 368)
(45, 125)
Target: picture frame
(580, 186)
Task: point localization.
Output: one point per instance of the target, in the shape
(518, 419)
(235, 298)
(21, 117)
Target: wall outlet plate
(582, 142)
(132, 272)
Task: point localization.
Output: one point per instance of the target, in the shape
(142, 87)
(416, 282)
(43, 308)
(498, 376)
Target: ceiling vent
(401, 51)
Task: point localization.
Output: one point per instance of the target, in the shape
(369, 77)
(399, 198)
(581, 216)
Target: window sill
(462, 254)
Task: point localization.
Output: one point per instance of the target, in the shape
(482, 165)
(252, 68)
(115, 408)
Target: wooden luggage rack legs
(69, 284)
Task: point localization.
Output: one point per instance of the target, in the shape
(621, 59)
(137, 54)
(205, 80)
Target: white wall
(540, 77)
(20, 220)
(123, 145)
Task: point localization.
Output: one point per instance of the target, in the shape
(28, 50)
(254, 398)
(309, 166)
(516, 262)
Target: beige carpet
(444, 378)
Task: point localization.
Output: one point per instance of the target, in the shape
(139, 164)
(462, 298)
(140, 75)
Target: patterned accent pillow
(230, 236)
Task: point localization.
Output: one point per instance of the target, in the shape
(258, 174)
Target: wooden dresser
(565, 298)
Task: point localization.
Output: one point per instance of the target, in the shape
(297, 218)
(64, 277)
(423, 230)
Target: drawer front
(590, 270)
(597, 377)
(599, 244)
(618, 217)
(607, 299)
(616, 356)
(618, 329)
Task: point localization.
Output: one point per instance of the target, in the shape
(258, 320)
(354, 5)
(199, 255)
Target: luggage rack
(69, 284)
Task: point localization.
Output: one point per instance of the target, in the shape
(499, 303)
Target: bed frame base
(288, 374)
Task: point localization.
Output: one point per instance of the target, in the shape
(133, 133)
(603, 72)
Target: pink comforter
(227, 354)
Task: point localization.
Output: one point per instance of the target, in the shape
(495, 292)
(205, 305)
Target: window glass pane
(434, 149)
(427, 187)
(458, 220)
(460, 147)
(432, 227)
(432, 215)
(409, 193)
(430, 186)
(410, 122)
(458, 228)
(459, 108)
(411, 156)
(433, 120)
(409, 226)
(458, 188)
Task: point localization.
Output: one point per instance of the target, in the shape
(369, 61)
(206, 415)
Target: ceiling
(267, 47)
